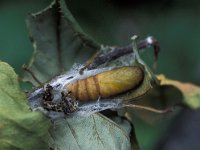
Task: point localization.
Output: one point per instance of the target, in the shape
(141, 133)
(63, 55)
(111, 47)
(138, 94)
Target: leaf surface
(58, 42)
(93, 132)
(19, 127)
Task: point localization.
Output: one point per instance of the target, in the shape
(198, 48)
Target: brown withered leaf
(190, 92)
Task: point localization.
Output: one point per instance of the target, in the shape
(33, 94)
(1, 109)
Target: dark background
(175, 23)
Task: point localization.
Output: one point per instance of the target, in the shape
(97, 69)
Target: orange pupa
(106, 84)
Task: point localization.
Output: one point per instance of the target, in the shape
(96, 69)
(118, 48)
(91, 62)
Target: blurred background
(175, 23)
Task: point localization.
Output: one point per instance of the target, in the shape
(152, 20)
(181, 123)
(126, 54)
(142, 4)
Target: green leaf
(129, 127)
(19, 127)
(58, 42)
(93, 132)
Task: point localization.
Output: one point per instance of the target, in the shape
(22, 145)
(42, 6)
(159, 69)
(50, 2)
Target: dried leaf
(190, 92)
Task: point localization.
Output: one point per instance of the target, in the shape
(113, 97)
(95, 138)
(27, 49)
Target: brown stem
(32, 74)
(170, 109)
(121, 51)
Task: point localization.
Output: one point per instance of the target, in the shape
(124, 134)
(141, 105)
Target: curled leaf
(190, 92)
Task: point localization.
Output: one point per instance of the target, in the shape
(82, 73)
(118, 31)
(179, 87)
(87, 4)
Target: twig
(32, 74)
(121, 51)
(167, 110)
